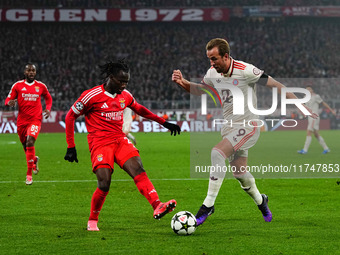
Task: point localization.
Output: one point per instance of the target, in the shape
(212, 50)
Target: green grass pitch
(50, 216)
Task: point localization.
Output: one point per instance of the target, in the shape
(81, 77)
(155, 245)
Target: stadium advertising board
(115, 15)
(186, 126)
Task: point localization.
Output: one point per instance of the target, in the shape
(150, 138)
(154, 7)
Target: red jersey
(29, 100)
(103, 115)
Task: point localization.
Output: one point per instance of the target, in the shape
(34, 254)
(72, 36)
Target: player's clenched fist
(177, 76)
(71, 155)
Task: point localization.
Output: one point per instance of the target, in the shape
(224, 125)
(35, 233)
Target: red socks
(98, 199)
(30, 155)
(146, 188)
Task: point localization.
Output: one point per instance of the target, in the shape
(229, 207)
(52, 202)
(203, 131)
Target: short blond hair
(221, 44)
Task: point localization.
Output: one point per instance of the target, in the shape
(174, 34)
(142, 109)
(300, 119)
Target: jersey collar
(231, 68)
(29, 84)
(108, 93)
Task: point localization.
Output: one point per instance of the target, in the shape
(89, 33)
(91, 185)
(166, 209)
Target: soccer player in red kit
(103, 107)
(27, 93)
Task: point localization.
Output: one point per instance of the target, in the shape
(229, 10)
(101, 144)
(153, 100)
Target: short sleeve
(252, 74)
(319, 99)
(207, 78)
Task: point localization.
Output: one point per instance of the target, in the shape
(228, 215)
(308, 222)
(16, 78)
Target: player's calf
(35, 165)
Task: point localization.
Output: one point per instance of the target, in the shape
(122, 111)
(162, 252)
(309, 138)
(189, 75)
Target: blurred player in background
(236, 139)
(313, 124)
(27, 93)
(127, 119)
(103, 107)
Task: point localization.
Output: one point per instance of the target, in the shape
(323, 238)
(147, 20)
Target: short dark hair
(221, 44)
(30, 64)
(114, 68)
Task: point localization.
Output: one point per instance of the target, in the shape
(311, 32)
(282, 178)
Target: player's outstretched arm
(190, 87)
(71, 153)
(146, 113)
(271, 83)
(329, 108)
(175, 129)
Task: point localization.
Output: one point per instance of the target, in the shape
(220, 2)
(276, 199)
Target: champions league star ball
(183, 223)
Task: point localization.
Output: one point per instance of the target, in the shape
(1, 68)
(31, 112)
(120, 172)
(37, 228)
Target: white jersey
(241, 75)
(314, 102)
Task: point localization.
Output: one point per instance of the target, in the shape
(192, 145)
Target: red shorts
(31, 129)
(104, 156)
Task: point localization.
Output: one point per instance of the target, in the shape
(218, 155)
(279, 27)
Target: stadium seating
(67, 55)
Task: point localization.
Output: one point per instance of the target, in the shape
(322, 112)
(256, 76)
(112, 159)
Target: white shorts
(313, 124)
(241, 137)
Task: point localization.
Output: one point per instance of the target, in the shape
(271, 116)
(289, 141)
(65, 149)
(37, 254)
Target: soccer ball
(183, 223)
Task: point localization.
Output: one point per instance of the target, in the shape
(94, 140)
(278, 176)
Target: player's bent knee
(104, 178)
(138, 169)
(30, 141)
(104, 186)
(217, 154)
(133, 166)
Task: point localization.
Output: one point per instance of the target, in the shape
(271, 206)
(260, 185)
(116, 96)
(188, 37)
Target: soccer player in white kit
(236, 138)
(127, 118)
(313, 124)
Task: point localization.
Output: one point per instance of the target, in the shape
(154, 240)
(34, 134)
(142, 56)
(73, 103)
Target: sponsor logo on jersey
(100, 157)
(104, 106)
(36, 89)
(235, 82)
(112, 115)
(30, 97)
(122, 103)
(218, 80)
(79, 106)
(24, 89)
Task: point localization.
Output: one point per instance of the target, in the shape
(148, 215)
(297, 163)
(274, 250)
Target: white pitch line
(118, 180)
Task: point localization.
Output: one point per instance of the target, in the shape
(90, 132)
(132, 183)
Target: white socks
(322, 143)
(216, 177)
(247, 182)
(309, 140)
(307, 143)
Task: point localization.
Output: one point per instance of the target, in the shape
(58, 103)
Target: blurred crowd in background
(67, 55)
